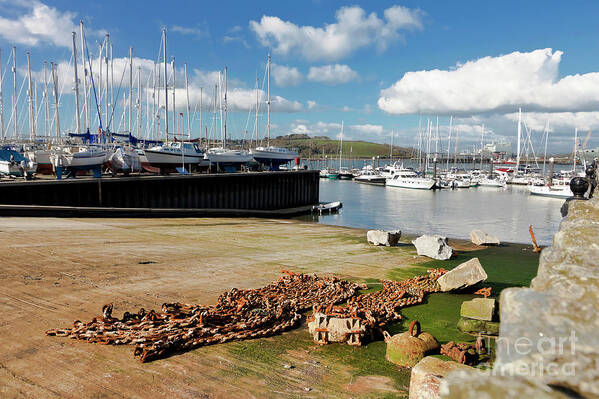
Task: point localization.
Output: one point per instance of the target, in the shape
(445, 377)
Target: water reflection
(504, 212)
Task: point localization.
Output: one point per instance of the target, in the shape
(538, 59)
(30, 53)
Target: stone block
(433, 246)
(381, 237)
(479, 237)
(465, 275)
(479, 309)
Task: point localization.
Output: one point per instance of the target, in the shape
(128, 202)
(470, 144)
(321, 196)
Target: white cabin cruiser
(78, 157)
(173, 154)
(555, 191)
(409, 179)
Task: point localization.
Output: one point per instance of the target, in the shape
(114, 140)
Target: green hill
(319, 146)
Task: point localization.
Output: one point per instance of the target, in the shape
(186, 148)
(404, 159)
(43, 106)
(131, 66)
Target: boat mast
(107, 84)
(256, 121)
(341, 146)
(188, 108)
(575, 150)
(482, 140)
(268, 103)
(165, 86)
(391, 148)
(214, 114)
(175, 119)
(56, 114)
(139, 109)
(449, 140)
(546, 140)
(47, 102)
(130, 89)
(2, 132)
(85, 107)
(519, 133)
(30, 98)
(201, 105)
(225, 120)
(14, 98)
(77, 119)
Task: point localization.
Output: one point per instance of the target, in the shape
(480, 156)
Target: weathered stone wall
(548, 343)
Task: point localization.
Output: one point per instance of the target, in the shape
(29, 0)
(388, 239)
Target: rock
(386, 238)
(477, 385)
(465, 275)
(479, 237)
(479, 309)
(433, 246)
(473, 326)
(427, 375)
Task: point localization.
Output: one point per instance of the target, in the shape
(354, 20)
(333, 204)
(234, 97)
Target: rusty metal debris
(368, 314)
(486, 292)
(238, 314)
(463, 352)
(535, 246)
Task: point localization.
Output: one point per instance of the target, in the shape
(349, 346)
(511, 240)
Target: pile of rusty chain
(380, 308)
(464, 353)
(238, 314)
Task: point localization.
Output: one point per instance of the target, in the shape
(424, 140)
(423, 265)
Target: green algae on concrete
(507, 265)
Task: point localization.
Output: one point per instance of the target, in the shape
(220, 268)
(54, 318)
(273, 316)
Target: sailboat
(222, 156)
(177, 153)
(272, 156)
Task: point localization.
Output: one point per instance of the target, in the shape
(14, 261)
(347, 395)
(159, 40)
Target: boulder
(427, 375)
(479, 237)
(473, 326)
(477, 385)
(465, 275)
(381, 237)
(479, 309)
(433, 246)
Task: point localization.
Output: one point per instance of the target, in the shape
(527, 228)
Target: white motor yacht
(174, 154)
(406, 178)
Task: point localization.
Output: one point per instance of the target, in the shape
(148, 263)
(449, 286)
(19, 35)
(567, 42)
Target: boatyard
(83, 264)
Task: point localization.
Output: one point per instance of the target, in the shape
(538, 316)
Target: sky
(381, 68)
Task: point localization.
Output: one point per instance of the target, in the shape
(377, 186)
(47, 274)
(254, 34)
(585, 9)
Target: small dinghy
(329, 207)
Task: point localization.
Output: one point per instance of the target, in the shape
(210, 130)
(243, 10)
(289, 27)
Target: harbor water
(504, 212)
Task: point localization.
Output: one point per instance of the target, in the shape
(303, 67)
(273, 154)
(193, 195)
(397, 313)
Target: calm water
(504, 212)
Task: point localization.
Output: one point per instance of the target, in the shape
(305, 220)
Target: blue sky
(377, 66)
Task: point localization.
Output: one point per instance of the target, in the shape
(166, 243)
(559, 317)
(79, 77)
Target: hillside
(319, 146)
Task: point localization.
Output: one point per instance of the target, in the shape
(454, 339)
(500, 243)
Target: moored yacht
(406, 178)
(370, 177)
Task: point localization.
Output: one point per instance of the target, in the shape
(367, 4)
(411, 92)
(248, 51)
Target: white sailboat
(223, 156)
(269, 155)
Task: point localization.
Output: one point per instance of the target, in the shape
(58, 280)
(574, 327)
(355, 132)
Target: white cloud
(332, 74)
(367, 129)
(36, 23)
(353, 30)
(197, 31)
(494, 84)
(312, 104)
(285, 76)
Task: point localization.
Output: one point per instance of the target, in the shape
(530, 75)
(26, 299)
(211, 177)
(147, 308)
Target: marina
(299, 200)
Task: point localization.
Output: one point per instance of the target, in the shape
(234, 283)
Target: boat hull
(163, 159)
(424, 184)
